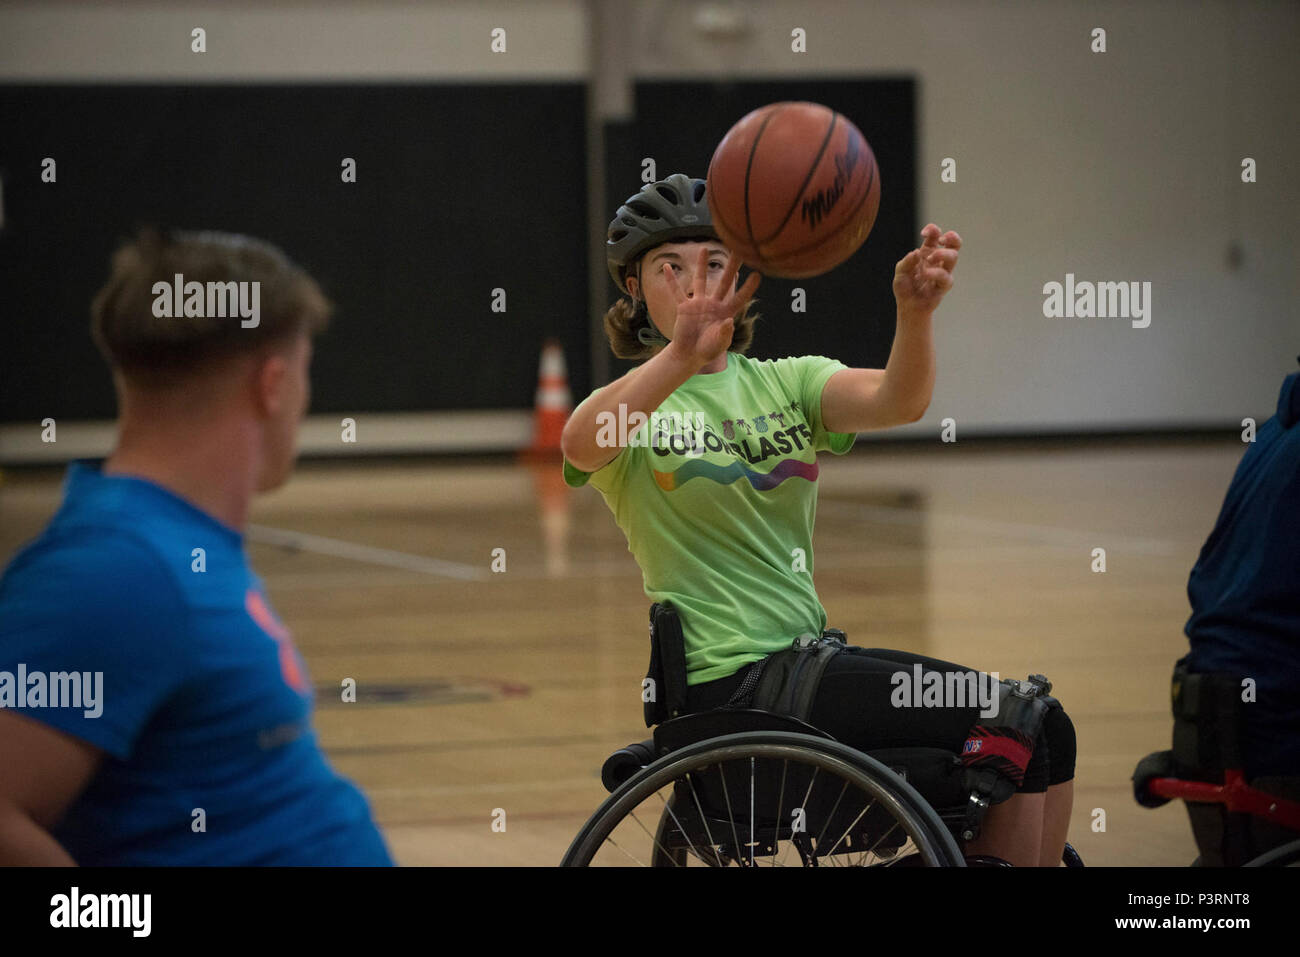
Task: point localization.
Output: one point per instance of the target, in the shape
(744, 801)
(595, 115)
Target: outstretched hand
(706, 319)
(924, 276)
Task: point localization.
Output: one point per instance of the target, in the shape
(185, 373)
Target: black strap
(810, 678)
(789, 683)
(743, 696)
(668, 659)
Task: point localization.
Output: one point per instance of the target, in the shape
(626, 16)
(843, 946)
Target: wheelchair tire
(886, 793)
(1288, 855)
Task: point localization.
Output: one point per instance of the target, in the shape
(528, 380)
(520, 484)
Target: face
(285, 386)
(683, 258)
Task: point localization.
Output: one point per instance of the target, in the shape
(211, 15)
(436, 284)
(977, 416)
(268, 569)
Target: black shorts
(853, 705)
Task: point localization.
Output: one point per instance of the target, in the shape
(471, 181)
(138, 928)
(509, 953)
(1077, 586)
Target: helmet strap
(651, 336)
(647, 336)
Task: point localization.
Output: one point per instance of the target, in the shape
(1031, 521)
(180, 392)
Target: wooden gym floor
(481, 692)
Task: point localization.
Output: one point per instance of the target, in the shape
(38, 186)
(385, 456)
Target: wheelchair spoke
(703, 817)
(848, 829)
(812, 782)
(808, 793)
(731, 815)
(653, 839)
(830, 817)
(751, 812)
(780, 797)
(892, 828)
(669, 808)
(903, 853)
(636, 860)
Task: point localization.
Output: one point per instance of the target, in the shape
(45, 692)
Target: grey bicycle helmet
(669, 210)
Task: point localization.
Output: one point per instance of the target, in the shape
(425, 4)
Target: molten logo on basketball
(816, 208)
(793, 189)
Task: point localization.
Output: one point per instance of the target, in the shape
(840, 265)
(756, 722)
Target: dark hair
(147, 348)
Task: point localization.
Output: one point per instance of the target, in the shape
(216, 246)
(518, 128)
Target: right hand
(706, 320)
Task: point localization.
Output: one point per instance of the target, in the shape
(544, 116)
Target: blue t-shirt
(203, 703)
(1245, 589)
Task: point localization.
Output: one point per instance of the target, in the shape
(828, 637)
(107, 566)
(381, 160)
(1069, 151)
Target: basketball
(793, 189)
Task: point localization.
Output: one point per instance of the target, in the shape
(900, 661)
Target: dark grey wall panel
(462, 188)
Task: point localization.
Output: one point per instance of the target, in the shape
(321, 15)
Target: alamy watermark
(53, 689)
(212, 300)
(945, 689)
(626, 429)
(1098, 300)
(132, 912)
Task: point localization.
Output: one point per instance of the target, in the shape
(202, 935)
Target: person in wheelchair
(714, 483)
(1244, 592)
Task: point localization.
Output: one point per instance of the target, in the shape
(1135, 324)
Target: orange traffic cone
(553, 498)
(553, 403)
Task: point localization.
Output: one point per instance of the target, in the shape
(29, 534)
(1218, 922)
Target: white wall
(307, 40)
(1122, 165)
(1114, 166)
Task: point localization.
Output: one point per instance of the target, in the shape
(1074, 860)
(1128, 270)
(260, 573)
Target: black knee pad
(1037, 771)
(1058, 730)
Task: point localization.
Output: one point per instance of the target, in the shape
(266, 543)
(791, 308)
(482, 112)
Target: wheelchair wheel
(1288, 855)
(768, 798)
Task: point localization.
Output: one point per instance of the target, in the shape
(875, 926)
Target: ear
(633, 287)
(270, 382)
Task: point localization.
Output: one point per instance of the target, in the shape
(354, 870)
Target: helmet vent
(699, 191)
(644, 209)
(668, 193)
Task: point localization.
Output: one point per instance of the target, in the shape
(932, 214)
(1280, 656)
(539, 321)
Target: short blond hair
(146, 349)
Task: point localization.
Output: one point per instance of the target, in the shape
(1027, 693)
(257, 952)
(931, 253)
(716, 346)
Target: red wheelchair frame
(1234, 793)
(1208, 722)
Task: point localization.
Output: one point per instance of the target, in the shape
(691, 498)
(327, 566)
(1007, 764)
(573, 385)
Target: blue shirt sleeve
(95, 628)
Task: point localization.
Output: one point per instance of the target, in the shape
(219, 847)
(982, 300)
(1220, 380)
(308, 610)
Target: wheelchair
(748, 787)
(1236, 822)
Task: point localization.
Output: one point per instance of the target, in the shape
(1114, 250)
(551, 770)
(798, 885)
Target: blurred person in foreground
(153, 708)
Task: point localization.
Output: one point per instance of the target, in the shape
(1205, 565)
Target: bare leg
(1013, 830)
(1056, 822)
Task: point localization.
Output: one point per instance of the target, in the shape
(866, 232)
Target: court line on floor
(321, 545)
(886, 514)
(429, 790)
(441, 568)
(483, 744)
(392, 824)
(828, 559)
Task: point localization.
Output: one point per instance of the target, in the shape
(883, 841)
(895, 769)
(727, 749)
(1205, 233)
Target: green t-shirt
(716, 494)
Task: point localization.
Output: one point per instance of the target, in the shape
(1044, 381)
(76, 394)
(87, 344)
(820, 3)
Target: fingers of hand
(747, 290)
(942, 258)
(930, 235)
(673, 287)
(938, 276)
(728, 276)
(701, 272)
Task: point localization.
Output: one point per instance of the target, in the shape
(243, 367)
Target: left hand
(924, 275)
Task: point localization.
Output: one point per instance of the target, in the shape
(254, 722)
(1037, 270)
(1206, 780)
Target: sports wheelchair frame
(748, 787)
(1235, 822)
